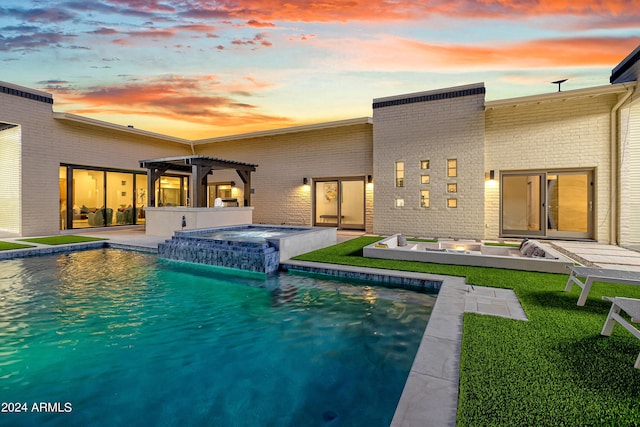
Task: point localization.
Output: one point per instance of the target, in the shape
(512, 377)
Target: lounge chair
(597, 274)
(631, 306)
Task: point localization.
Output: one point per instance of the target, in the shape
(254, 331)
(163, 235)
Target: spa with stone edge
(257, 248)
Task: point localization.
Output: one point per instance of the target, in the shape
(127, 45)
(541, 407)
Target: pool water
(252, 234)
(110, 337)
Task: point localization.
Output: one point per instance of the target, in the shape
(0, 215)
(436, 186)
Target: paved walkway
(597, 255)
(430, 396)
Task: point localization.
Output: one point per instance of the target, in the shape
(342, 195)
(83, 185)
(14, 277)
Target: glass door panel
(173, 191)
(120, 209)
(522, 207)
(326, 203)
(340, 203)
(88, 198)
(141, 197)
(569, 204)
(352, 204)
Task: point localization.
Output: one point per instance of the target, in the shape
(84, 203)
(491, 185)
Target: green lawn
(61, 240)
(554, 370)
(6, 246)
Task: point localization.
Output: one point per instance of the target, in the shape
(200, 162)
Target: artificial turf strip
(61, 240)
(554, 370)
(6, 246)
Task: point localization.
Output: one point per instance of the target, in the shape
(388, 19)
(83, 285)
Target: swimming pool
(119, 338)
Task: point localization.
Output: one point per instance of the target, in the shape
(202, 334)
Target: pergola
(199, 167)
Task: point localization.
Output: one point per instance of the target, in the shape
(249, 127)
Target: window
(424, 199)
(452, 188)
(97, 197)
(424, 164)
(452, 168)
(452, 203)
(399, 174)
(425, 179)
(399, 203)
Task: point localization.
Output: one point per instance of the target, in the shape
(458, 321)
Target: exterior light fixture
(369, 179)
(305, 181)
(492, 175)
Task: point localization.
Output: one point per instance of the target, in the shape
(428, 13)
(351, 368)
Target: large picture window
(92, 197)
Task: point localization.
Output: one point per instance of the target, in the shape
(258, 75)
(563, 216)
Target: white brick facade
(284, 160)
(434, 126)
(557, 134)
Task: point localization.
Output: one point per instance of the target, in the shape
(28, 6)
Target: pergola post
(153, 176)
(245, 176)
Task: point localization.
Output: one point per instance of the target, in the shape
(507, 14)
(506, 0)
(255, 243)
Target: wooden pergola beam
(199, 167)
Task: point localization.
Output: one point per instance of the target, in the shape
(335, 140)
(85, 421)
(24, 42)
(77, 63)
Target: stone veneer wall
(435, 126)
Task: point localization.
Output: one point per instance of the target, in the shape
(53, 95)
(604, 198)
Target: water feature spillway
(257, 248)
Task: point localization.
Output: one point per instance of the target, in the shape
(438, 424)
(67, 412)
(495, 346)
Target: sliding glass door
(548, 204)
(339, 203)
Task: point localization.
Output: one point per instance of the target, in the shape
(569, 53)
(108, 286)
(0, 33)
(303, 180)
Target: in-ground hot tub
(530, 256)
(257, 248)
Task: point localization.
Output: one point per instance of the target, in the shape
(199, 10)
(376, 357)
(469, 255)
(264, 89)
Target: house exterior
(440, 163)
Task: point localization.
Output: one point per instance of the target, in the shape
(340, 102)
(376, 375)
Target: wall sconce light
(305, 181)
(492, 175)
(369, 179)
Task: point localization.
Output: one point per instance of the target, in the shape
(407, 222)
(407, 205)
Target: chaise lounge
(630, 306)
(597, 274)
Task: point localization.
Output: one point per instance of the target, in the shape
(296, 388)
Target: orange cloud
(202, 100)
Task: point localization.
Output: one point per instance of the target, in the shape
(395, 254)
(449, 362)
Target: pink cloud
(398, 54)
(384, 10)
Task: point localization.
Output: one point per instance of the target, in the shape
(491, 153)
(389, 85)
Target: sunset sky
(205, 68)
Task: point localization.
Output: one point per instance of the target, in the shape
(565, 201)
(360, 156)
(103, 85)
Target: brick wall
(555, 134)
(284, 160)
(434, 126)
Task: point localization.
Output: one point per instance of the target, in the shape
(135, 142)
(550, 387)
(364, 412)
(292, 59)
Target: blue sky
(198, 69)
